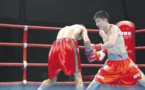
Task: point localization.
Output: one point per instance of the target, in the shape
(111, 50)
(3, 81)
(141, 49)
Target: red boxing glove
(94, 55)
(97, 47)
(101, 55)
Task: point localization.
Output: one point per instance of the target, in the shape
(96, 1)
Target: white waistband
(117, 56)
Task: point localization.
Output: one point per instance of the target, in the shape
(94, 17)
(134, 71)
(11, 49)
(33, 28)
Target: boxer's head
(101, 18)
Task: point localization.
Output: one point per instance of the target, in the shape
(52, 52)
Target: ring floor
(65, 87)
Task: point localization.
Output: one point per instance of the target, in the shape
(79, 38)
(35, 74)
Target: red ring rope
(25, 45)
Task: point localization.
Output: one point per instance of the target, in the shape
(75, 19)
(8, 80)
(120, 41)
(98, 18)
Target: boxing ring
(24, 63)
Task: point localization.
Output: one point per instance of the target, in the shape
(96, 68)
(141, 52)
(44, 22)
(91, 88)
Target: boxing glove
(97, 47)
(94, 55)
(101, 55)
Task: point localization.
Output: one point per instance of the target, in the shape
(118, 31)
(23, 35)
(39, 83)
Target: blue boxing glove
(94, 55)
(91, 55)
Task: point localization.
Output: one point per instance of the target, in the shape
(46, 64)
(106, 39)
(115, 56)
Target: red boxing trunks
(119, 72)
(64, 55)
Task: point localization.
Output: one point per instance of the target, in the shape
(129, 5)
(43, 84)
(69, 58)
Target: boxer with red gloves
(118, 70)
(96, 53)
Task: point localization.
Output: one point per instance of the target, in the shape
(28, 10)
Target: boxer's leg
(142, 81)
(93, 85)
(78, 81)
(47, 83)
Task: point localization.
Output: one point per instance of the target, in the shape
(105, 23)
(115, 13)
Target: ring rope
(140, 31)
(49, 28)
(47, 45)
(38, 27)
(45, 65)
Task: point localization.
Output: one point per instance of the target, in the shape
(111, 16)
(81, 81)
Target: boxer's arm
(86, 39)
(112, 39)
(81, 32)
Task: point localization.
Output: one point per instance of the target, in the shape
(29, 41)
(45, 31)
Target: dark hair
(101, 14)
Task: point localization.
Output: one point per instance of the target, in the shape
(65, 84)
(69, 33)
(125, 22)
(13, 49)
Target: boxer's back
(73, 31)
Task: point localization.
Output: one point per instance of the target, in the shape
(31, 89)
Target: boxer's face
(100, 23)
